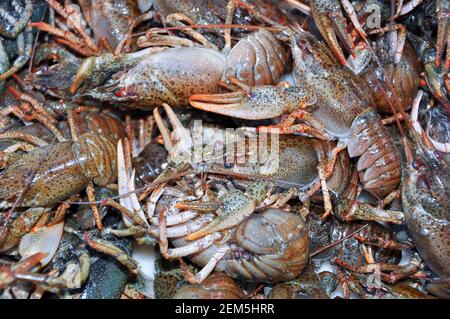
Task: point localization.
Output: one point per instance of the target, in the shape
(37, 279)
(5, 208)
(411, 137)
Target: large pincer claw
(96, 69)
(331, 23)
(257, 103)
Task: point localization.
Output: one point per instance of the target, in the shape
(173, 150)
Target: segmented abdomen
(97, 154)
(378, 163)
(271, 246)
(101, 123)
(260, 59)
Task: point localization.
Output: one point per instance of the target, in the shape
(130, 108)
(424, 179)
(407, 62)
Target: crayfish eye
(122, 92)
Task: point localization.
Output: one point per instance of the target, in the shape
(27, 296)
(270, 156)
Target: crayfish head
(117, 91)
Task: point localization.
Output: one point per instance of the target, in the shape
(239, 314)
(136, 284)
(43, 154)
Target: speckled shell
(341, 96)
(426, 202)
(62, 169)
(166, 285)
(351, 249)
(344, 105)
(171, 76)
(58, 175)
(299, 157)
(298, 160)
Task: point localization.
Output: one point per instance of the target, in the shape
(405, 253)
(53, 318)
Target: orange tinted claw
(263, 102)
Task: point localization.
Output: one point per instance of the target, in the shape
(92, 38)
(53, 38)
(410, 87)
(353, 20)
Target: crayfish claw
(330, 21)
(262, 102)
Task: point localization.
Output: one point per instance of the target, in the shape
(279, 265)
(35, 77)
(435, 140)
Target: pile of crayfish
(255, 149)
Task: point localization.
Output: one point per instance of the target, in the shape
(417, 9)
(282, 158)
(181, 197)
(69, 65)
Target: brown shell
(58, 176)
(341, 96)
(97, 156)
(273, 246)
(399, 83)
(61, 170)
(216, 286)
(378, 163)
